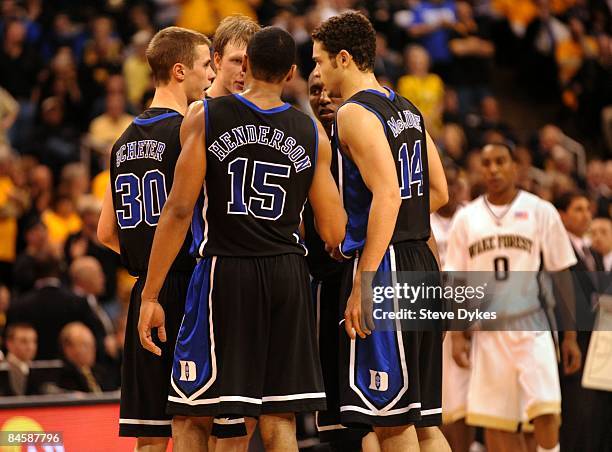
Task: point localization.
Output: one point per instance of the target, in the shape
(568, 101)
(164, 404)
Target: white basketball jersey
(510, 241)
(440, 228)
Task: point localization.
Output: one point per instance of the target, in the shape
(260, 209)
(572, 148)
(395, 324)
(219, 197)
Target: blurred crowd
(74, 75)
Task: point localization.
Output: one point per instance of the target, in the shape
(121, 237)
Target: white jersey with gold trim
(511, 241)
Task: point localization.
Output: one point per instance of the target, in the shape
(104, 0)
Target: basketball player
(142, 172)
(327, 275)
(378, 133)
(229, 47)
(247, 343)
(514, 374)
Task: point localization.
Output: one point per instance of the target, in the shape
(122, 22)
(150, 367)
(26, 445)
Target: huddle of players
(239, 169)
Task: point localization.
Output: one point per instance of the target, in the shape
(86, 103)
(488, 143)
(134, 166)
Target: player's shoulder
(535, 203)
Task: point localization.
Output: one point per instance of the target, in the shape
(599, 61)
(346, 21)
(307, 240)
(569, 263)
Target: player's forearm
(437, 198)
(567, 307)
(111, 242)
(381, 224)
(168, 240)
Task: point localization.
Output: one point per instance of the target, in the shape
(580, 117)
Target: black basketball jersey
(259, 168)
(405, 130)
(142, 171)
(320, 264)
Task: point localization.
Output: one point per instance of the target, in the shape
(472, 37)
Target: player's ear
(291, 73)
(178, 72)
(343, 58)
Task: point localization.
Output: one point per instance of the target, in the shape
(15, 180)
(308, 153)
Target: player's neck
(170, 97)
(217, 89)
(263, 94)
(359, 81)
(502, 198)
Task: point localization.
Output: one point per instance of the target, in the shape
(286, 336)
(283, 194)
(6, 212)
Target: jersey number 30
(412, 170)
(268, 200)
(140, 198)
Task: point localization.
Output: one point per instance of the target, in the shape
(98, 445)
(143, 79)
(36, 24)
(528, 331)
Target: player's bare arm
(363, 137)
(330, 217)
(107, 225)
(571, 356)
(173, 222)
(438, 188)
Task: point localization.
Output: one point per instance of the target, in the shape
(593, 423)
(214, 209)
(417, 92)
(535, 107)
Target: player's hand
(571, 355)
(353, 321)
(334, 253)
(461, 350)
(151, 316)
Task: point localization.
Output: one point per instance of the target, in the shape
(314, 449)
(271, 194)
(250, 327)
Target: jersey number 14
(411, 170)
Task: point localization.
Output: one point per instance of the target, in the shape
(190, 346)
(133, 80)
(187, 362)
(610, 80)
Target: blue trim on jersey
(316, 153)
(370, 109)
(147, 121)
(377, 358)
(357, 202)
(390, 96)
(197, 227)
(269, 111)
(193, 343)
(207, 122)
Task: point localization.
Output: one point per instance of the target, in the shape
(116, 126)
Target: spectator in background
(62, 83)
(21, 66)
(37, 242)
(21, 345)
(39, 186)
(136, 70)
(85, 243)
(55, 142)
(424, 89)
(108, 127)
(204, 15)
(88, 282)
(431, 25)
(586, 415)
(472, 52)
(539, 66)
(101, 57)
(601, 238)
(10, 210)
(63, 33)
(552, 140)
(571, 52)
(80, 372)
(388, 63)
(480, 126)
(61, 220)
(5, 303)
(74, 181)
(49, 306)
(9, 109)
(453, 143)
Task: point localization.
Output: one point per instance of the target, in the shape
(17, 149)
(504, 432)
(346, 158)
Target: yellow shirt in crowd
(427, 94)
(105, 131)
(99, 184)
(137, 74)
(205, 15)
(8, 226)
(61, 227)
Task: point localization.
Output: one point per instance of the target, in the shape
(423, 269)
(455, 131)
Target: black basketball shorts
(393, 377)
(247, 344)
(326, 294)
(145, 377)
